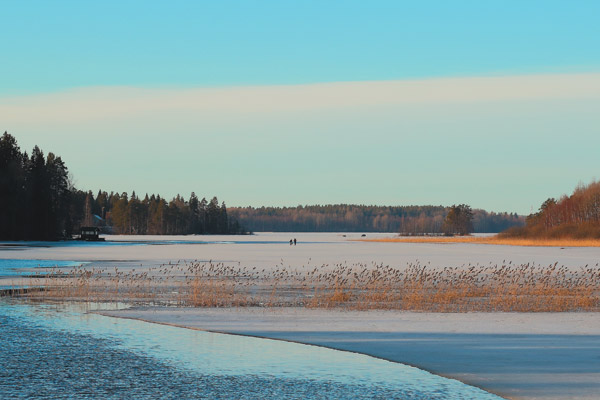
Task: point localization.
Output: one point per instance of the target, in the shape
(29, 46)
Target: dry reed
(496, 240)
(416, 287)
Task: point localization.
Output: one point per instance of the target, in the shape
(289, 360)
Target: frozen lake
(269, 250)
(408, 341)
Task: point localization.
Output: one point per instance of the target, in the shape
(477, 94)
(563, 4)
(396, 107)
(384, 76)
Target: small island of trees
(459, 220)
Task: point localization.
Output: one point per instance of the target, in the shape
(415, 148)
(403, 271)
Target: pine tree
(459, 220)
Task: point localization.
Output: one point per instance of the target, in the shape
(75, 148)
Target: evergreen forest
(152, 215)
(38, 202)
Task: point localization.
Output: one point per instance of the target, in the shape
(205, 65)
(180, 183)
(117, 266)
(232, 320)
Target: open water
(62, 352)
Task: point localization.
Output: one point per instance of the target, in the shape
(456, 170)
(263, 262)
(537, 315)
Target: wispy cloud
(95, 103)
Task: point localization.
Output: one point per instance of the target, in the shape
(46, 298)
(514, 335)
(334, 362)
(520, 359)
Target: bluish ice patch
(14, 267)
(66, 243)
(15, 246)
(56, 350)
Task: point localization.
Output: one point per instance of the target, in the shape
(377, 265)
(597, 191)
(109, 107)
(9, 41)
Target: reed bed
(415, 287)
(496, 240)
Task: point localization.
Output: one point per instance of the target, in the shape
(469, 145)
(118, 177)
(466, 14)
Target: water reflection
(13, 267)
(60, 351)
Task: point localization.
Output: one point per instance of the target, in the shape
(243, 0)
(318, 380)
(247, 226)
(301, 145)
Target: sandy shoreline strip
(489, 240)
(516, 355)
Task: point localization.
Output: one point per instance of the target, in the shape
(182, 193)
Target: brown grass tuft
(416, 287)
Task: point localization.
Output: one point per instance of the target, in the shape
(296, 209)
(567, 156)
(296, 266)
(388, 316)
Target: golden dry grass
(496, 240)
(416, 287)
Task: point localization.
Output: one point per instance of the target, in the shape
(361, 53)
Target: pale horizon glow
(399, 142)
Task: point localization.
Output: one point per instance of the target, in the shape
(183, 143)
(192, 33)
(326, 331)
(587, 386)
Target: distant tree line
(575, 216)
(362, 218)
(153, 215)
(37, 202)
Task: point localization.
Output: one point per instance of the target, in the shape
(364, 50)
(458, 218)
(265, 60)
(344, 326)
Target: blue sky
(504, 152)
(56, 45)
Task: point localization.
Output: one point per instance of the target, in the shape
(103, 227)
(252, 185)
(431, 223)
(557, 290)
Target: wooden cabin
(90, 233)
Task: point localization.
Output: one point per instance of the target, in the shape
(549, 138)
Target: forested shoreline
(34, 193)
(576, 216)
(38, 202)
(362, 218)
(153, 215)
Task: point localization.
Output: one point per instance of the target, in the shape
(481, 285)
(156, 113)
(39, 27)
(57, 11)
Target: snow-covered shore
(516, 355)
